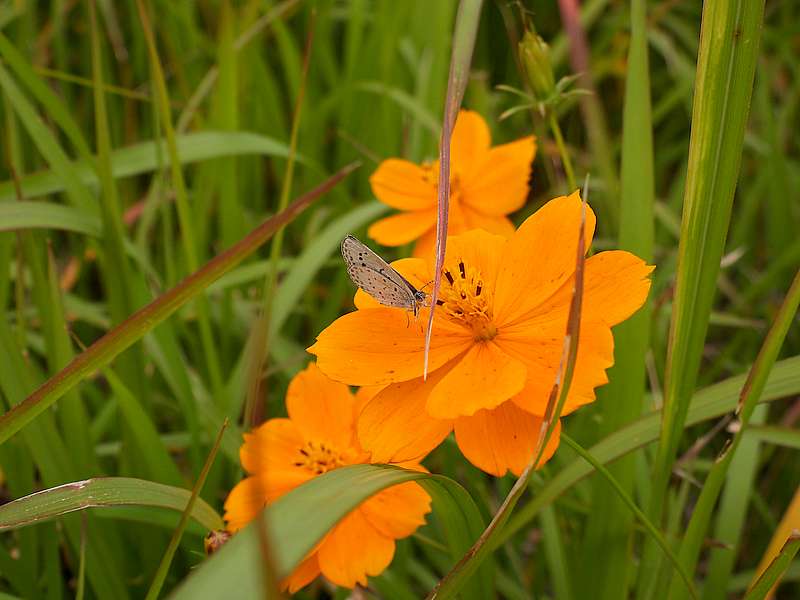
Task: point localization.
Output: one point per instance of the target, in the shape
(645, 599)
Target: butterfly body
(379, 279)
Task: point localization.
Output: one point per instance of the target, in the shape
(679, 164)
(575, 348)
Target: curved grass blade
(709, 403)
(144, 158)
(469, 12)
(786, 529)
(646, 523)
(46, 144)
(751, 391)
(45, 215)
(145, 319)
(101, 492)
(772, 575)
(297, 521)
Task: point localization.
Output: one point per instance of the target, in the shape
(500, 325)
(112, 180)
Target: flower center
(464, 299)
(319, 458)
(431, 170)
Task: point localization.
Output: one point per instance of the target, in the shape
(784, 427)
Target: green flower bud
(534, 55)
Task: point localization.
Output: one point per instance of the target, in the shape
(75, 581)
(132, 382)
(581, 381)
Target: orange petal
(244, 503)
(484, 378)
(398, 511)
(498, 225)
(469, 144)
(353, 550)
(478, 249)
(426, 246)
(402, 228)
(303, 574)
(540, 257)
(502, 439)
(542, 355)
(270, 452)
(404, 185)
(395, 427)
(498, 184)
(376, 346)
(322, 409)
(615, 285)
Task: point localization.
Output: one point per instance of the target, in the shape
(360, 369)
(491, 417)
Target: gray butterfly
(376, 277)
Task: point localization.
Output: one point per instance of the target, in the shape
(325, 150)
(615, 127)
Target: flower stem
(555, 128)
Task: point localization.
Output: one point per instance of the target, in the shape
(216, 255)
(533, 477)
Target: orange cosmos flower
(318, 436)
(496, 345)
(486, 184)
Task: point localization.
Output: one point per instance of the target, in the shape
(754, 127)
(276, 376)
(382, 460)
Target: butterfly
(379, 279)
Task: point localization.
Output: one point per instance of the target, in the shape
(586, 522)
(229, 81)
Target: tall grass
(144, 141)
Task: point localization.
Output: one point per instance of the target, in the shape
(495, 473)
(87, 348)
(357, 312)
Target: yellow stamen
(319, 458)
(465, 299)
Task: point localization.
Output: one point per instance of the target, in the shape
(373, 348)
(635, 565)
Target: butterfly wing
(377, 277)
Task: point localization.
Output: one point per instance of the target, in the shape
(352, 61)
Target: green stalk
(118, 280)
(621, 401)
(182, 203)
(566, 161)
(261, 332)
(729, 41)
(169, 554)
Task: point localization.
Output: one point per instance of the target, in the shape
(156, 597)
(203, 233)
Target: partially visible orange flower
(496, 346)
(319, 436)
(486, 184)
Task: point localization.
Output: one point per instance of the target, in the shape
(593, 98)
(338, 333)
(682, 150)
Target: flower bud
(534, 55)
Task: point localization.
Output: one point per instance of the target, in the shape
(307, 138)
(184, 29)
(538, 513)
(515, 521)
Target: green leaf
(44, 215)
(776, 569)
(101, 492)
(724, 82)
(144, 158)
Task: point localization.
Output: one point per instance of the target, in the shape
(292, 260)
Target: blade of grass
(56, 109)
(262, 331)
(621, 400)
(169, 554)
(450, 585)
(144, 158)
(132, 329)
(765, 585)
(190, 248)
(101, 492)
(638, 513)
(731, 515)
(466, 29)
(729, 41)
(46, 144)
(45, 215)
(751, 392)
(786, 530)
(118, 279)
